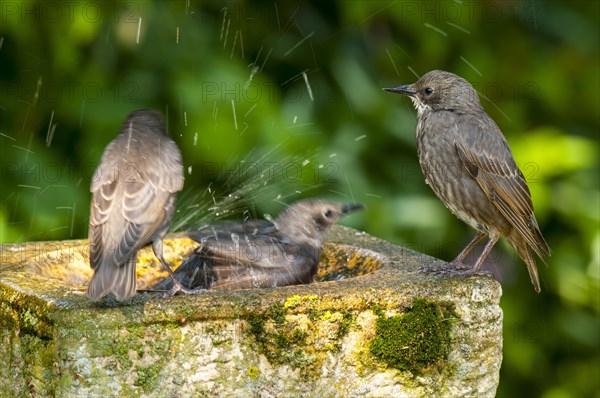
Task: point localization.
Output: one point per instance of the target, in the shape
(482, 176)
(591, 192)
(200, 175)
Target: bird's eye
(329, 214)
(428, 91)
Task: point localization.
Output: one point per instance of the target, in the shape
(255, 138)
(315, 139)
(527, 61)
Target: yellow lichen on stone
(341, 261)
(253, 372)
(296, 300)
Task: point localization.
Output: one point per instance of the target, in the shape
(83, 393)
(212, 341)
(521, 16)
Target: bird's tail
(527, 247)
(526, 254)
(113, 278)
(543, 249)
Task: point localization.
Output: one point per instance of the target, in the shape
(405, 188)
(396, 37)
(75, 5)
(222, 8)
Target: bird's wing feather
(147, 192)
(264, 262)
(144, 208)
(170, 173)
(488, 159)
(265, 252)
(95, 242)
(103, 187)
(225, 229)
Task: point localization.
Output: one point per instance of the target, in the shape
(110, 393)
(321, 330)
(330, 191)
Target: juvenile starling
(468, 164)
(133, 199)
(259, 253)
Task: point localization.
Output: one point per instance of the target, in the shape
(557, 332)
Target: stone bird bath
(373, 326)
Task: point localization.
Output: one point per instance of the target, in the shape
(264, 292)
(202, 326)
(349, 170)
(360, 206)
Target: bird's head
(146, 120)
(440, 90)
(307, 221)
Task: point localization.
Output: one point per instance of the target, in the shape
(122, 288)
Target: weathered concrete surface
(389, 330)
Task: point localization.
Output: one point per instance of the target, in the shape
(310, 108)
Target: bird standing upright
(468, 164)
(260, 253)
(133, 200)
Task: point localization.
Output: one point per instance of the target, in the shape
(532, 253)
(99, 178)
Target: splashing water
(248, 183)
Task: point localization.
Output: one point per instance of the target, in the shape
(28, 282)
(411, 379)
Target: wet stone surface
(372, 325)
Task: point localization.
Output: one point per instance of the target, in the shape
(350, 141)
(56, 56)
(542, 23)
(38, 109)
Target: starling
(133, 199)
(260, 253)
(468, 164)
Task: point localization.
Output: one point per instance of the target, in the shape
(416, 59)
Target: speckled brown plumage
(133, 200)
(260, 253)
(469, 166)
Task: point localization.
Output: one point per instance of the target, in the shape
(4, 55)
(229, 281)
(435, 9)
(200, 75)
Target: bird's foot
(449, 267)
(153, 290)
(180, 289)
(471, 272)
(455, 268)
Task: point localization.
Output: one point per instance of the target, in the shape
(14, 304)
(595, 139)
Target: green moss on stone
(278, 314)
(38, 355)
(345, 323)
(257, 326)
(314, 314)
(377, 310)
(147, 376)
(414, 340)
(301, 341)
(281, 341)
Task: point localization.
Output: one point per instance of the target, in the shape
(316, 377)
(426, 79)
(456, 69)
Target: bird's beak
(406, 90)
(349, 208)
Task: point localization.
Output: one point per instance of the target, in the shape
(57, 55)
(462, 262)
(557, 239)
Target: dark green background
(70, 72)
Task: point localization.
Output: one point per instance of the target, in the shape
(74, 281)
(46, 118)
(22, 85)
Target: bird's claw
(455, 268)
(449, 267)
(466, 274)
(180, 289)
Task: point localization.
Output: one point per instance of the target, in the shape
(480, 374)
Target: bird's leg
(457, 263)
(177, 286)
(486, 250)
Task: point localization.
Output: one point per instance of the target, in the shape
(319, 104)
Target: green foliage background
(229, 78)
